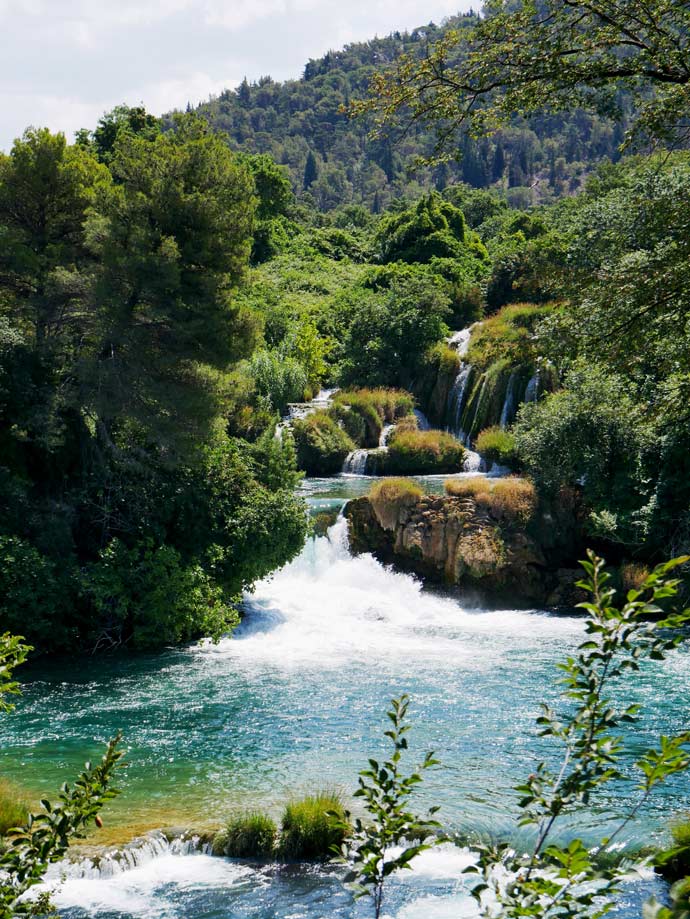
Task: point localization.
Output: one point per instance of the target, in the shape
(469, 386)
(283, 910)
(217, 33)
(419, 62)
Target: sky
(63, 63)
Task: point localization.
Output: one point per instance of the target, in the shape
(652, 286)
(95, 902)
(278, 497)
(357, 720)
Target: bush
(419, 452)
(312, 828)
(674, 862)
(147, 596)
(467, 488)
(389, 495)
(512, 498)
(497, 446)
(279, 379)
(375, 407)
(321, 443)
(250, 835)
(508, 336)
(14, 811)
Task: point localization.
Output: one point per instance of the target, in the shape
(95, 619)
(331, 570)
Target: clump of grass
(419, 452)
(507, 335)
(14, 810)
(497, 446)
(321, 444)
(313, 827)
(376, 407)
(512, 498)
(390, 495)
(468, 487)
(249, 835)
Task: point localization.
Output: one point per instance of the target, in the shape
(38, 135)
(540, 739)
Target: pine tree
(311, 171)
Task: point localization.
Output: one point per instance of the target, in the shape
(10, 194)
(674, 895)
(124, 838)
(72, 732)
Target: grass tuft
(250, 835)
(14, 810)
(312, 827)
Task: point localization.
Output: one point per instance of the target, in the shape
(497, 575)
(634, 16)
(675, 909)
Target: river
(295, 701)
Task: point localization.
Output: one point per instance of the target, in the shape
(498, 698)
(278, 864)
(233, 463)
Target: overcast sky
(65, 62)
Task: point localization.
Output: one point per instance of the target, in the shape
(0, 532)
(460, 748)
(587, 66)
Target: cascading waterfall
(356, 462)
(532, 389)
(135, 855)
(422, 421)
(298, 410)
(386, 432)
(509, 406)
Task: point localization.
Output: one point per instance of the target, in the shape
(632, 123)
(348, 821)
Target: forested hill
(303, 125)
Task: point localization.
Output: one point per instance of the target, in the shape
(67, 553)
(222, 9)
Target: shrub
(321, 444)
(14, 810)
(375, 407)
(513, 498)
(467, 488)
(278, 378)
(313, 827)
(508, 335)
(389, 495)
(419, 452)
(497, 446)
(250, 835)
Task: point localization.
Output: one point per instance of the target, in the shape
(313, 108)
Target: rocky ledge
(458, 541)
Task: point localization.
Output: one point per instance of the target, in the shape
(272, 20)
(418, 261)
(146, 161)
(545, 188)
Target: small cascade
(422, 421)
(137, 853)
(461, 340)
(509, 406)
(456, 400)
(386, 432)
(298, 410)
(356, 462)
(532, 389)
(472, 462)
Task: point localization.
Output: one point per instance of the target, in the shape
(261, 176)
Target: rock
(454, 541)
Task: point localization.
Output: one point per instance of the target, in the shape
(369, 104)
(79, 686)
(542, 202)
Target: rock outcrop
(460, 542)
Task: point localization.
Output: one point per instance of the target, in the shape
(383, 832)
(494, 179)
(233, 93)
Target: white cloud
(65, 62)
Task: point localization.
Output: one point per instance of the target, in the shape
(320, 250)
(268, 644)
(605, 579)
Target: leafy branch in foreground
(30, 849)
(374, 847)
(526, 56)
(562, 881)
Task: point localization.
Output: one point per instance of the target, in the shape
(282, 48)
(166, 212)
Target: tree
(311, 171)
(122, 119)
(529, 55)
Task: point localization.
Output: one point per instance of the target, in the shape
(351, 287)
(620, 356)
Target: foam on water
(328, 607)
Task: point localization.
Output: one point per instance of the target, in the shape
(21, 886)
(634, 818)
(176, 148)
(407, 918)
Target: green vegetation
(420, 452)
(322, 444)
(389, 496)
(250, 835)
(497, 445)
(313, 827)
(375, 408)
(511, 499)
(14, 810)
(391, 836)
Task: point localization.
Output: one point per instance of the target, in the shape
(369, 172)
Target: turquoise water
(295, 700)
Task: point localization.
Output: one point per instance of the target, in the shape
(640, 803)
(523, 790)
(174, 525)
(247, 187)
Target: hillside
(303, 125)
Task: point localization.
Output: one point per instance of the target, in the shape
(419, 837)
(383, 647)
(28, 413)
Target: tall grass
(512, 499)
(376, 407)
(312, 827)
(249, 835)
(389, 496)
(419, 452)
(14, 809)
(497, 446)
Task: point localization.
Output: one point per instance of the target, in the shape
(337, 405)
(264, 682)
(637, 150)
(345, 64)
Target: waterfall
(532, 389)
(456, 400)
(385, 434)
(461, 341)
(472, 462)
(509, 407)
(298, 410)
(356, 462)
(422, 421)
(137, 853)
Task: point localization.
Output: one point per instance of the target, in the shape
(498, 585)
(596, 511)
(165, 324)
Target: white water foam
(327, 608)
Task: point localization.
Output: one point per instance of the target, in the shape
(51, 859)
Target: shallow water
(295, 700)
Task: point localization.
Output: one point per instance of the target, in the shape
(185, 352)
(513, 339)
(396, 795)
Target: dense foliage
(127, 513)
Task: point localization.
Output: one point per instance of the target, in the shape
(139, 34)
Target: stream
(296, 701)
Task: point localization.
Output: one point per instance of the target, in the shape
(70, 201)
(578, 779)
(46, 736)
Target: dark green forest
(332, 160)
